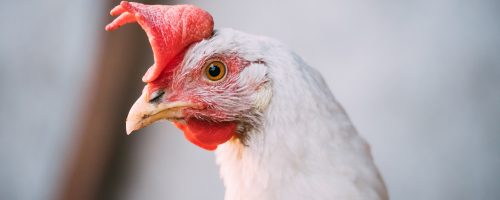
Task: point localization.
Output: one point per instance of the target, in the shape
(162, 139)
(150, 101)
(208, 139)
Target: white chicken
(276, 128)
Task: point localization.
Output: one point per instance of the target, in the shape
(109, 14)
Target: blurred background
(420, 80)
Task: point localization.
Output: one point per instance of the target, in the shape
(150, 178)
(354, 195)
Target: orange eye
(215, 70)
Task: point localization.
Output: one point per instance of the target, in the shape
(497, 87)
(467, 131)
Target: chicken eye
(215, 70)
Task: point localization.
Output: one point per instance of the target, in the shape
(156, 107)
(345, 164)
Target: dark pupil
(214, 71)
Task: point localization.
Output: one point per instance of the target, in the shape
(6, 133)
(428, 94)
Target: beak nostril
(156, 96)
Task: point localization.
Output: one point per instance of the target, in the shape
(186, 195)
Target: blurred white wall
(420, 80)
(45, 54)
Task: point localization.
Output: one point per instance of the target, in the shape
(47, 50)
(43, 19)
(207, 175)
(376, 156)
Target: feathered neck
(305, 149)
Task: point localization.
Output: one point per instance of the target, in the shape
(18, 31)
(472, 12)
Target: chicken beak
(144, 112)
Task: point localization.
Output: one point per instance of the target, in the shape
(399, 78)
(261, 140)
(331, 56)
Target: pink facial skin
(207, 127)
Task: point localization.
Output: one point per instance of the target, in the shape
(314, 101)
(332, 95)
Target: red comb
(170, 29)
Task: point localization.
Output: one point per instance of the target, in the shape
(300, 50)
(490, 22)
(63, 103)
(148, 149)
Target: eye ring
(215, 70)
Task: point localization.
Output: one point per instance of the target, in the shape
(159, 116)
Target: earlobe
(254, 77)
(262, 97)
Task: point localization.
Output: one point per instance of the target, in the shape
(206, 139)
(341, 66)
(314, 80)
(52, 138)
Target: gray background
(420, 80)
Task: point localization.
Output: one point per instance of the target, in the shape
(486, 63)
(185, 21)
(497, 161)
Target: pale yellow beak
(144, 113)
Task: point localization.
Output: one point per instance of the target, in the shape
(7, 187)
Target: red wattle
(207, 135)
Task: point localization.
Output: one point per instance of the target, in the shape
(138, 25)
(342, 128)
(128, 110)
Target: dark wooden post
(98, 154)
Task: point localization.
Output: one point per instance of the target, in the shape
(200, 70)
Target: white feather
(306, 147)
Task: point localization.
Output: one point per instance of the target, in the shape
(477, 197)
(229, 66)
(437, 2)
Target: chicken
(276, 129)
